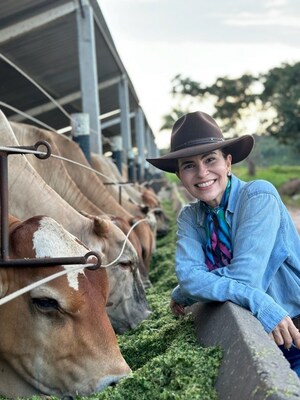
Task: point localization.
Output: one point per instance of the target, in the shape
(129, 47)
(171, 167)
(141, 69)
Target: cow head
(57, 338)
(127, 305)
(125, 227)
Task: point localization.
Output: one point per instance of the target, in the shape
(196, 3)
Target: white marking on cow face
(52, 240)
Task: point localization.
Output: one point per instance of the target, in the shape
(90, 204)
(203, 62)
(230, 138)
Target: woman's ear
(229, 159)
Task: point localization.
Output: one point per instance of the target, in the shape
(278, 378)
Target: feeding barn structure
(59, 67)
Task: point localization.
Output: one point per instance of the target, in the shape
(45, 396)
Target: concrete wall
(253, 367)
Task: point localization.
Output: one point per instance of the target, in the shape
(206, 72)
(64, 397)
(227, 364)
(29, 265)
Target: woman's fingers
(177, 309)
(285, 333)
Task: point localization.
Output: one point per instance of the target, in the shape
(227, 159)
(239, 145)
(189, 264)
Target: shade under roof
(40, 38)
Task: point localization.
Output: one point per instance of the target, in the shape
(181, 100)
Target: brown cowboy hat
(197, 133)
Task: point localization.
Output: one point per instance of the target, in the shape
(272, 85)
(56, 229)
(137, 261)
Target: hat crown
(194, 129)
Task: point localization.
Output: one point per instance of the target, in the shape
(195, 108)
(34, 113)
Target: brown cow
(56, 339)
(89, 183)
(56, 175)
(29, 195)
(132, 193)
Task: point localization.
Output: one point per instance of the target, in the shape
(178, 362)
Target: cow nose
(162, 232)
(111, 380)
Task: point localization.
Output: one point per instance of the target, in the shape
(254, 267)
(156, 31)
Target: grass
(276, 174)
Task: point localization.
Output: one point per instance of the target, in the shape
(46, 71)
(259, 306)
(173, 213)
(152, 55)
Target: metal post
(140, 140)
(80, 123)
(88, 73)
(125, 126)
(148, 150)
(4, 206)
(116, 148)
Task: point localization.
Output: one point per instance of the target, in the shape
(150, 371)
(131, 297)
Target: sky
(199, 39)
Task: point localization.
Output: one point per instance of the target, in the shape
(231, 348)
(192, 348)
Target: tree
(282, 92)
(273, 98)
(231, 97)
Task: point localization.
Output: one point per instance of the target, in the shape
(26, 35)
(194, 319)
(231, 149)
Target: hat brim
(239, 148)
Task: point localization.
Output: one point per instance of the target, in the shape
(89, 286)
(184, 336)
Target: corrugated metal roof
(40, 37)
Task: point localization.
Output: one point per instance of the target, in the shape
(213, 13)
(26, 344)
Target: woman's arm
(236, 283)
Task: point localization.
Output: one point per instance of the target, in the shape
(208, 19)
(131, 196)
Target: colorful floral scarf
(218, 242)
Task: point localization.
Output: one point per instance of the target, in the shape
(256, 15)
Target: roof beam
(37, 21)
(35, 111)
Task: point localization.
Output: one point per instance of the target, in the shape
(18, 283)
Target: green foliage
(282, 92)
(276, 174)
(277, 91)
(268, 151)
(168, 120)
(184, 371)
(230, 96)
(171, 177)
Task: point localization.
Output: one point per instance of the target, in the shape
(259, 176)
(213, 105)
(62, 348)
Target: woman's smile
(206, 184)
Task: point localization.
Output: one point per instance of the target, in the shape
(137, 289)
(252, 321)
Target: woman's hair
(225, 152)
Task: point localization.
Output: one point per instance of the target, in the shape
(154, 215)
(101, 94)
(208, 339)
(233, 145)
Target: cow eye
(45, 304)
(126, 265)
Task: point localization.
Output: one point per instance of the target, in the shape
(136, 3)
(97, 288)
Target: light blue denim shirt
(264, 273)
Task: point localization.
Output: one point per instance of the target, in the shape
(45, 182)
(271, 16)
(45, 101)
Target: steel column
(140, 140)
(88, 73)
(125, 126)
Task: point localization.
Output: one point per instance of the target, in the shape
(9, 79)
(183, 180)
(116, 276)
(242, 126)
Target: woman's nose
(202, 169)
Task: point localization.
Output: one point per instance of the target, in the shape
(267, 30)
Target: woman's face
(205, 176)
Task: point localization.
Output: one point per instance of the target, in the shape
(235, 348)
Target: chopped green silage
(166, 360)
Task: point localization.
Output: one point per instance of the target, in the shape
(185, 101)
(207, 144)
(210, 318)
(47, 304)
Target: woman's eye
(188, 166)
(45, 304)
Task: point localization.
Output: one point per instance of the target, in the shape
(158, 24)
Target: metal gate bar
(5, 261)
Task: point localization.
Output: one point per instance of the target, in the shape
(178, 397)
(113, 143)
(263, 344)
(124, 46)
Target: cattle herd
(60, 337)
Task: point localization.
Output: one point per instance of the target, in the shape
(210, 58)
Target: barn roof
(38, 38)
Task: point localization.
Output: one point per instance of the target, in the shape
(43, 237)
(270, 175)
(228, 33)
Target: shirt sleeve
(242, 282)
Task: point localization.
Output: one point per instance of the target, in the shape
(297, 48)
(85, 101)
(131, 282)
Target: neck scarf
(218, 243)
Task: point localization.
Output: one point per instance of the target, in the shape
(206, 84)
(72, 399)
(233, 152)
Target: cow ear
(144, 209)
(101, 226)
(116, 221)
(133, 220)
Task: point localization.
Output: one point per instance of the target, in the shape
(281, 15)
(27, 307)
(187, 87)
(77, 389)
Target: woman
(237, 242)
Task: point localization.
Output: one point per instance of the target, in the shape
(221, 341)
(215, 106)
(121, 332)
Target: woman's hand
(285, 333)
(177, 309)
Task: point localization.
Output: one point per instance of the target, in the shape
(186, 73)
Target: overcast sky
(200, 39)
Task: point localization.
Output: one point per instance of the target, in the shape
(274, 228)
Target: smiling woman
(238, 242)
